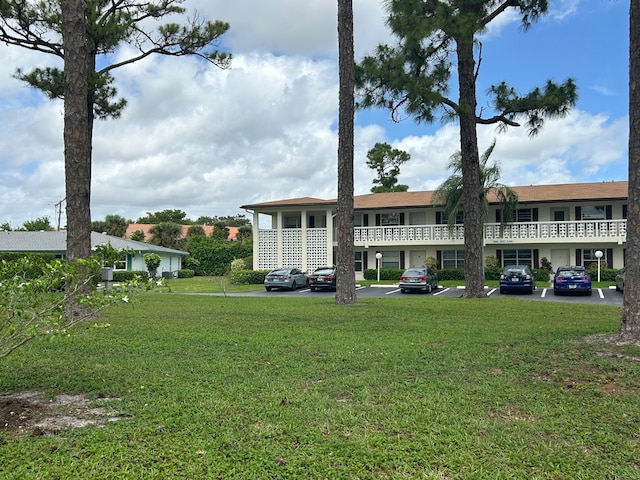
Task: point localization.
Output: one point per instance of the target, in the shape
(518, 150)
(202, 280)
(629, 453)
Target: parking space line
(490, 292)
(392, 291)
(600, 293)
(544, 293)
(442, 291)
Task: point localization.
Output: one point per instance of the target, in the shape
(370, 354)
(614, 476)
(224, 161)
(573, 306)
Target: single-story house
(56, 243)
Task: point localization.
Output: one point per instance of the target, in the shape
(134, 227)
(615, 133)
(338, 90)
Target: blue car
(571, 279)
(517, 278)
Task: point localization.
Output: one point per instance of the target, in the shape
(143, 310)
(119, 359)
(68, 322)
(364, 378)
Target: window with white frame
(517, 257)
(524, 215)
(389, 219)
(452, 259)
(589, 256)
(390, 260)
(593, 212)
(292, 221)
(358, 261)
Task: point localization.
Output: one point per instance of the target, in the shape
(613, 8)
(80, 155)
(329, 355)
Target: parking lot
(600, 296)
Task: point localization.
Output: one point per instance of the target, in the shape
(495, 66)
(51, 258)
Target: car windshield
(515, 271)
(281, 271)
(416, 272)
(571, 272)
(324, 271)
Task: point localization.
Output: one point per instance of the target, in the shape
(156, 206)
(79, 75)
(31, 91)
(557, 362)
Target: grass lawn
(263, 388)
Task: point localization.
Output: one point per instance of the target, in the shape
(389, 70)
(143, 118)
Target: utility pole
(58, 207)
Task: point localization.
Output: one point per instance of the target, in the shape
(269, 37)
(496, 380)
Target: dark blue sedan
(517, 278)
(572, 279)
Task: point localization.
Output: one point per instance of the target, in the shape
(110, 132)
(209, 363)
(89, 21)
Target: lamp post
(599, 256)
(378, 262)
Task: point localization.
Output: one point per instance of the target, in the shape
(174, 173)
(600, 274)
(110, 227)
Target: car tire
(402, 290)
(268, 289)
(502, 291)
(313, 289)
(294, 285)
(589, 292)
(429, 288)
(556, 292)
(531, 290)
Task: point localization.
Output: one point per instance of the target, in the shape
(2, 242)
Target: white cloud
(206, 141)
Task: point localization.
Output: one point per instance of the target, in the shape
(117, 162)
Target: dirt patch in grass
(36, 414)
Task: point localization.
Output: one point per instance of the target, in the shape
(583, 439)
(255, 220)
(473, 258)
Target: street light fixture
(599, 256)
(378, 262)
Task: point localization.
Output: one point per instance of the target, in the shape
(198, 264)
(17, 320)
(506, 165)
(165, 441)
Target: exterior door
(560, 257)
(417, 258)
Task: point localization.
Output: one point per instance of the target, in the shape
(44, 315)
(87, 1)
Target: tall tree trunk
(77, 139)
(630, 317)
(345, 267)
(471, 184)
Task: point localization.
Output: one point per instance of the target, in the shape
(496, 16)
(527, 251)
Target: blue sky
(206, 141)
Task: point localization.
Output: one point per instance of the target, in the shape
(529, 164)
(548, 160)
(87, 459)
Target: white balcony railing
(544, 232)
(494, 233)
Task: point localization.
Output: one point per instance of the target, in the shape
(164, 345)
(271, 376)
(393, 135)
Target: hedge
(247, 277)
(186, 273)
(128, 275)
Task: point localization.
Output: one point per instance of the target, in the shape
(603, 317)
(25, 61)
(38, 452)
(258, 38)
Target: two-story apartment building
(566, 224)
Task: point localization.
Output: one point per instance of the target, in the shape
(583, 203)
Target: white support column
(330, 259)
(279, 233)
(256, 239)
(303, 242)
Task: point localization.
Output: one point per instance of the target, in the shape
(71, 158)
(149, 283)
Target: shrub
(385, 274)
(492, 273)
(451, 274)
(247, 277)
(606, 274)
(541, 274)
(186, 273)
(128, 275)
(238, 264)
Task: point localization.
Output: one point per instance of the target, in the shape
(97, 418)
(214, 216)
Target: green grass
(418, 387)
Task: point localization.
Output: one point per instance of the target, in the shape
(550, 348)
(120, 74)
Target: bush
(214, 257)
(238, 264)
(606, 274)
(492, 273)
(541, 274)
(247, 277)
(451, 274)
(385, 274)
(186, 273)
(128, 275)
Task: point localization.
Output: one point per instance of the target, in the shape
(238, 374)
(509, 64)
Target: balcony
(495, 233)
(588, 231)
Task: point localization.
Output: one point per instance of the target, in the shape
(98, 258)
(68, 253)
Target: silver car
(418, 279)
(287, 278)
(620, 281)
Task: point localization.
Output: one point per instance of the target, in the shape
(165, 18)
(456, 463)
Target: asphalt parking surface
(600, 296)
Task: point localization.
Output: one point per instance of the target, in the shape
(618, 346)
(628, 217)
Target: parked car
(289, 278)
(421, 279)
(620, 281)
(517, 278)
(571, 279)
(323, 278)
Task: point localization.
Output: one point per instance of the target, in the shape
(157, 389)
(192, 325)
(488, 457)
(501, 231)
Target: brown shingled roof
(615, 190)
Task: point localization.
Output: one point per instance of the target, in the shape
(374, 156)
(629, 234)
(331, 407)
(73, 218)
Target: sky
(206, 141)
